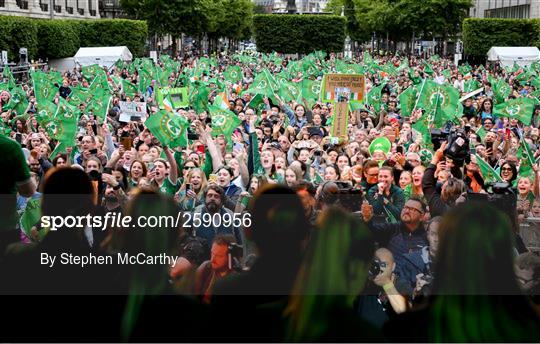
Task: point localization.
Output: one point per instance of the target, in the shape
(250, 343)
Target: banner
(132, 111)
(340, 120)
(348, 87)
(179, 97)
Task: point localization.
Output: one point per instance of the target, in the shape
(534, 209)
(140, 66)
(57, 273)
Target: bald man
(380, 299)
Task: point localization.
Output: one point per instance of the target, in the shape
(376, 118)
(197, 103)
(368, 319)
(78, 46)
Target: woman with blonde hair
(191, 193)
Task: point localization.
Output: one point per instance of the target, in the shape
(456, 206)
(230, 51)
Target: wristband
(388, 286)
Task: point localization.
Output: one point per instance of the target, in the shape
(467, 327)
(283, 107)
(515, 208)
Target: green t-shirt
(13, 170)
(169, 188)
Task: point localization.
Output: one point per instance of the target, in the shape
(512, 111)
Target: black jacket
(436, 205)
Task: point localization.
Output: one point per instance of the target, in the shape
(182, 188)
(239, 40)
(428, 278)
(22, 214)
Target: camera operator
(451, 190)
(222, 254)
(416, 268)
(381, 298)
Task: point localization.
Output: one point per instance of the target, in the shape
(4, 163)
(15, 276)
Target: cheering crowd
(429, 199)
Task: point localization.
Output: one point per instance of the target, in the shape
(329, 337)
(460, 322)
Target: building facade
(302, 6)
(518, 9)
(52, 9)
(110, 9)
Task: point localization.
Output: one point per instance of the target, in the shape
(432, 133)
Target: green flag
(223, 121)
(90, 72)
(288, 92)
(520, 108)
(311, 89)
(233, 74)
(44, 90)
(99, 105)
(374, 97)
(31, 217)
(501, 90)
(441, 101)
(428, 69)
(263, 84)
(9, 76)
(487, 172)
(471, 85)
(169, 128)
(257, 103)
(79, 96)
(526, 160)
(407, 101)
(199, 97)
(18, 101)
(129, 89)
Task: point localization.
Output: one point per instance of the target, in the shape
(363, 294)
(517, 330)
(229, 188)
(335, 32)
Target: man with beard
(216, 268)
(406, 236)
(219, 219)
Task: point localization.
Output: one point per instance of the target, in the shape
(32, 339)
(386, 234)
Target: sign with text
(178, 96)
(342, 90)
(343, 87)
(341, 119)
(132, 111)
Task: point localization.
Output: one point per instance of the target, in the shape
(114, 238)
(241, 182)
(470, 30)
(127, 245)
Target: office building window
(521, 11)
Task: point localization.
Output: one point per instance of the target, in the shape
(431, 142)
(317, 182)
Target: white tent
(506, 56)
(103, 56)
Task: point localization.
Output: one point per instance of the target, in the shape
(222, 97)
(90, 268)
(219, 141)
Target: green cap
(380, 144)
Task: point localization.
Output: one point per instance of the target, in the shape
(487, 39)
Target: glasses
(412, 208)
(188, 168)
(372, 174)
(507, 169)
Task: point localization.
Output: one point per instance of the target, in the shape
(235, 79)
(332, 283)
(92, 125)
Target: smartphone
(489, 145)
(93, 151)
(399, 149)
(107, 170)
(212, 178)
(150, 166)
(127, 142)
(188, 187)
(200, 149)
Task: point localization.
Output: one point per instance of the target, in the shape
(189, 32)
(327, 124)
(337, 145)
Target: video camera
(457, 147)
(341, 193)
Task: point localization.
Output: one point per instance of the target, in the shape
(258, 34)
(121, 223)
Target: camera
(341, 193)
(376, 268)
(457, 147)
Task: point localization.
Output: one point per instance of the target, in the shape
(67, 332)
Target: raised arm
(173, 172)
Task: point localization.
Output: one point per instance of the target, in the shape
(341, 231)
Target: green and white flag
(223, 121)
(100, 104)
(520, 108)
(169, 128)
(233, 74)
(487, 172)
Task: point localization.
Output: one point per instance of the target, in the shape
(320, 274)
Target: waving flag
(223, 121)
(520, 108)
(169, 128)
